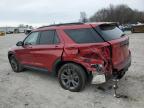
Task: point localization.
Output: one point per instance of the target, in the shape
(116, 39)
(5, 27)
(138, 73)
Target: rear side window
(110, 32)
(56, 39)
(86, 35)
(48, 37)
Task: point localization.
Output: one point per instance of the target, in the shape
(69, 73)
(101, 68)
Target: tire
(72, 77)
(16, 66)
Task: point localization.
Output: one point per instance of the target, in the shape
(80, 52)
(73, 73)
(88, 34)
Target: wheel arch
(10, 53)
(60, 63)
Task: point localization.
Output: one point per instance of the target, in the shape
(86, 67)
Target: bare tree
(120, 13)
(83, 17)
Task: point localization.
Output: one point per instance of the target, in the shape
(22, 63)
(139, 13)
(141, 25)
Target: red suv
(75, 52)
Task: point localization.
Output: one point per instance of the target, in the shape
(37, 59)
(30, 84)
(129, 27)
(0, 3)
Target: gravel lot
(32, 89)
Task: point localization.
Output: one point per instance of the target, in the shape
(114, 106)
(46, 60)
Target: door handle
(56, 46)
(29, 46)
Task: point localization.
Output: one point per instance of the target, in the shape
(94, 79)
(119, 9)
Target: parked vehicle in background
(7, 30)
(75, 52)
(126, 27)
(138, 28)
(121, 27)
(2, 33)
(10, 30)
(27, 31)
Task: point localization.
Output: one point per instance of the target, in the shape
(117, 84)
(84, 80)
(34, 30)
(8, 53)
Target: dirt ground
(31, 89)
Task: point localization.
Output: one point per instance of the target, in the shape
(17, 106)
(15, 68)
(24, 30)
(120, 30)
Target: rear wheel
(16, 66)
(72, 77)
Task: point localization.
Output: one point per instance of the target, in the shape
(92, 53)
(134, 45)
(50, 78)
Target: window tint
(110, 32)
(31, 39)
(86, 35)
(46, 37)
(56, 39)
(49, 37)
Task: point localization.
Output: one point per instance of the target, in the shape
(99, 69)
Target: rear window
(86, 35)
(109, 32)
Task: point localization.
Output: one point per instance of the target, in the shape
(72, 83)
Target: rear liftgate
(98, 79)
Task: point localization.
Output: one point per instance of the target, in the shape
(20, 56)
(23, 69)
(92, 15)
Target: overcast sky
(44, 12)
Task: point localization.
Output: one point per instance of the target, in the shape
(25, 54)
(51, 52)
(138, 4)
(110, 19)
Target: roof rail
(61, 24)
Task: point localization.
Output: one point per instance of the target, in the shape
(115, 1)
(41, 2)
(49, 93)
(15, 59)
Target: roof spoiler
(110, 23)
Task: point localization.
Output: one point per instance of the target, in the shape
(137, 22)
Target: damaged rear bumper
(98, 78)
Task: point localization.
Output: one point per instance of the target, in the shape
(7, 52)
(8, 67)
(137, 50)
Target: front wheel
(16, 66)
(72, 77)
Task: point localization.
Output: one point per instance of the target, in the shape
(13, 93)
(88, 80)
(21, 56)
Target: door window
(31, 39)
(48, 37)
(56, 39)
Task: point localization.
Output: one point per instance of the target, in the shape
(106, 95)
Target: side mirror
(20, 43)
